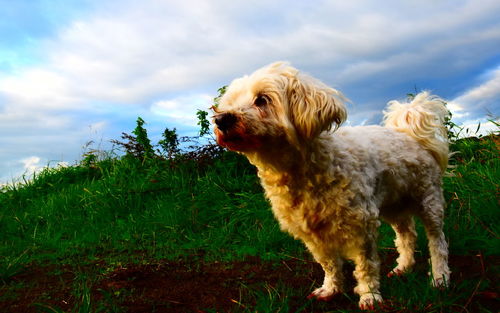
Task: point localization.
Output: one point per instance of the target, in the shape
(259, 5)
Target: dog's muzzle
(225, 121)
(232, 133)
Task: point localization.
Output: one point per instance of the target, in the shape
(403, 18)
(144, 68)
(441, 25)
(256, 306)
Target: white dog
(329, 186)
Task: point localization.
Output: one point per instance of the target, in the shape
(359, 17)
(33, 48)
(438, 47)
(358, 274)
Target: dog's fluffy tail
(423, 119)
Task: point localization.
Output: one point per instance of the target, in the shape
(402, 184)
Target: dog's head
(273, 105)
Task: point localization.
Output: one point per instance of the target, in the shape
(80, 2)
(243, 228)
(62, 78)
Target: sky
(74, 72)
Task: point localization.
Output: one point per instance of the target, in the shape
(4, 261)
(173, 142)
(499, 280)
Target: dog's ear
(313, 106)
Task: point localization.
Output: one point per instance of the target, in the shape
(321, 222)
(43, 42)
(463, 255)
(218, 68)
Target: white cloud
(479, 100)
(31, 165)
(457, 110)
(182, 109)
(37, 88)
(127, 58)
(148, 49)
(98, 127)
(478, 127)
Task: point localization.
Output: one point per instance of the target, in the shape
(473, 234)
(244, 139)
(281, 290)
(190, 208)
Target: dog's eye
(261, 101)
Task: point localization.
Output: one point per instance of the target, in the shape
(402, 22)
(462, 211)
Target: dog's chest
(303, 207)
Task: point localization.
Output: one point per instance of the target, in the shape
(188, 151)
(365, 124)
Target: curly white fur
(329, 186)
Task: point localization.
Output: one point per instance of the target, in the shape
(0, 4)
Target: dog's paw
(399, 271)
(368, 301)
(440, 283)
(395, 272)
(324, 294)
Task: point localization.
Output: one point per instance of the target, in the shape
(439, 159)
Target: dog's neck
(285, 162)
(274, 159)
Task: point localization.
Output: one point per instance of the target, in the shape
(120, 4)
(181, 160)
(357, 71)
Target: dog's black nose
(225, 121)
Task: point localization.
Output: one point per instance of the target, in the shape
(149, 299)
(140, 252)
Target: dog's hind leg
(406, 237)
(432, 215)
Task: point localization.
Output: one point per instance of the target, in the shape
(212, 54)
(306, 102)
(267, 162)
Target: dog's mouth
(237, 140)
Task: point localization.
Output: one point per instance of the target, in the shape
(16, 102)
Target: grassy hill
(143, 233)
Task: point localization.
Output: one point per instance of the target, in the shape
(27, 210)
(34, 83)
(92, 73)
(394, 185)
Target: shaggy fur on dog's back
(329, 186)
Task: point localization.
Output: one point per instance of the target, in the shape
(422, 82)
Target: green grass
(473, 219)
(120, 206)
(126, 210)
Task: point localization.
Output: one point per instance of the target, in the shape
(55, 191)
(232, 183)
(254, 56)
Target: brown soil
(197, 286)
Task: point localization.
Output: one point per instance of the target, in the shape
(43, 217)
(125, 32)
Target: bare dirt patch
(197, 286)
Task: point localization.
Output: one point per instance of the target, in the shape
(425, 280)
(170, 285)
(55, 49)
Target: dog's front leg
(332, 266)
(367, 270)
